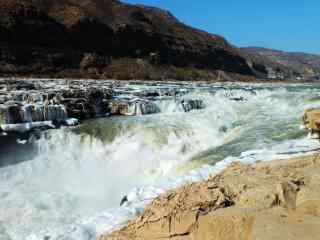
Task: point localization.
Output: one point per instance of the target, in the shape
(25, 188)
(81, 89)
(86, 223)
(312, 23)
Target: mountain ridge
(54, 36)
(290, 65)
(112, 39)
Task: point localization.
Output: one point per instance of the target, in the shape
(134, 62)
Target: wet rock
(238, 99)
(148, 94)
(134, 107)
(189, 105)
(123, 200)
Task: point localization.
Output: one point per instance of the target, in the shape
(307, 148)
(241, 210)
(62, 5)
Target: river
(67, 184)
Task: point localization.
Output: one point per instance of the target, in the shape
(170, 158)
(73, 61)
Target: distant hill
(109, 39)
(287, 64)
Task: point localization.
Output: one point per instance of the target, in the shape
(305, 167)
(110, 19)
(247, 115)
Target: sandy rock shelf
(265, 201)
(311, 121)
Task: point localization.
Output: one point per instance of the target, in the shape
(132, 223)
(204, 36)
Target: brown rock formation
(69, 37)
(288, 65)
(311, 119)
(266, 201)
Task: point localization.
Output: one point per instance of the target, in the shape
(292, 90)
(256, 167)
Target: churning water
(68, 184)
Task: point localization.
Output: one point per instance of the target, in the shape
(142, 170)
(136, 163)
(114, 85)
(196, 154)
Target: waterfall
(39, 113)
(72, 188)
(27, 113)
(24, 118)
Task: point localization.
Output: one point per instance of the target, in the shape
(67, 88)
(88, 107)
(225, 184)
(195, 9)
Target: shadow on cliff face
(53, 36)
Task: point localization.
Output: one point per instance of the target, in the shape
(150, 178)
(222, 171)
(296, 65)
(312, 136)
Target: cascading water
(72, 185)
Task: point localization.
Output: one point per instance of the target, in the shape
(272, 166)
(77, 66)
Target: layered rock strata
(266, 201)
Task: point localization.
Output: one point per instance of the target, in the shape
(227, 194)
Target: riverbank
(224, 78)
(138, 156)
(267, 200)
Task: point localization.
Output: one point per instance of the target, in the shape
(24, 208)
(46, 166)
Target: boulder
(189, 105)
(311, 119)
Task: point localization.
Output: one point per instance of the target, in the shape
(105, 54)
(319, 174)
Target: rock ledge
(274, 200)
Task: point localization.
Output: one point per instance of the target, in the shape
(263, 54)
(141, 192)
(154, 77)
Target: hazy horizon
(287, 25)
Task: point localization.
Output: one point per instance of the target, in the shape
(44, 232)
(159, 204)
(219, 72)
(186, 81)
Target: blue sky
(290, 25)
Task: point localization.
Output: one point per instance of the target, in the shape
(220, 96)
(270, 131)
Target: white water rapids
(72, 185)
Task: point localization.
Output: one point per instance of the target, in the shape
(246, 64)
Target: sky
(289, 25)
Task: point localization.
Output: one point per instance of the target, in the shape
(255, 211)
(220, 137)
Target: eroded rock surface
(266, 201)
(311, 120)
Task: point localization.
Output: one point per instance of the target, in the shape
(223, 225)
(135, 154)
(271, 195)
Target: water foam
(64, 193)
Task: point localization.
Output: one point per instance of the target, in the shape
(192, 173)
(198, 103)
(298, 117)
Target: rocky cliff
(101, 38)
(272, 63)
